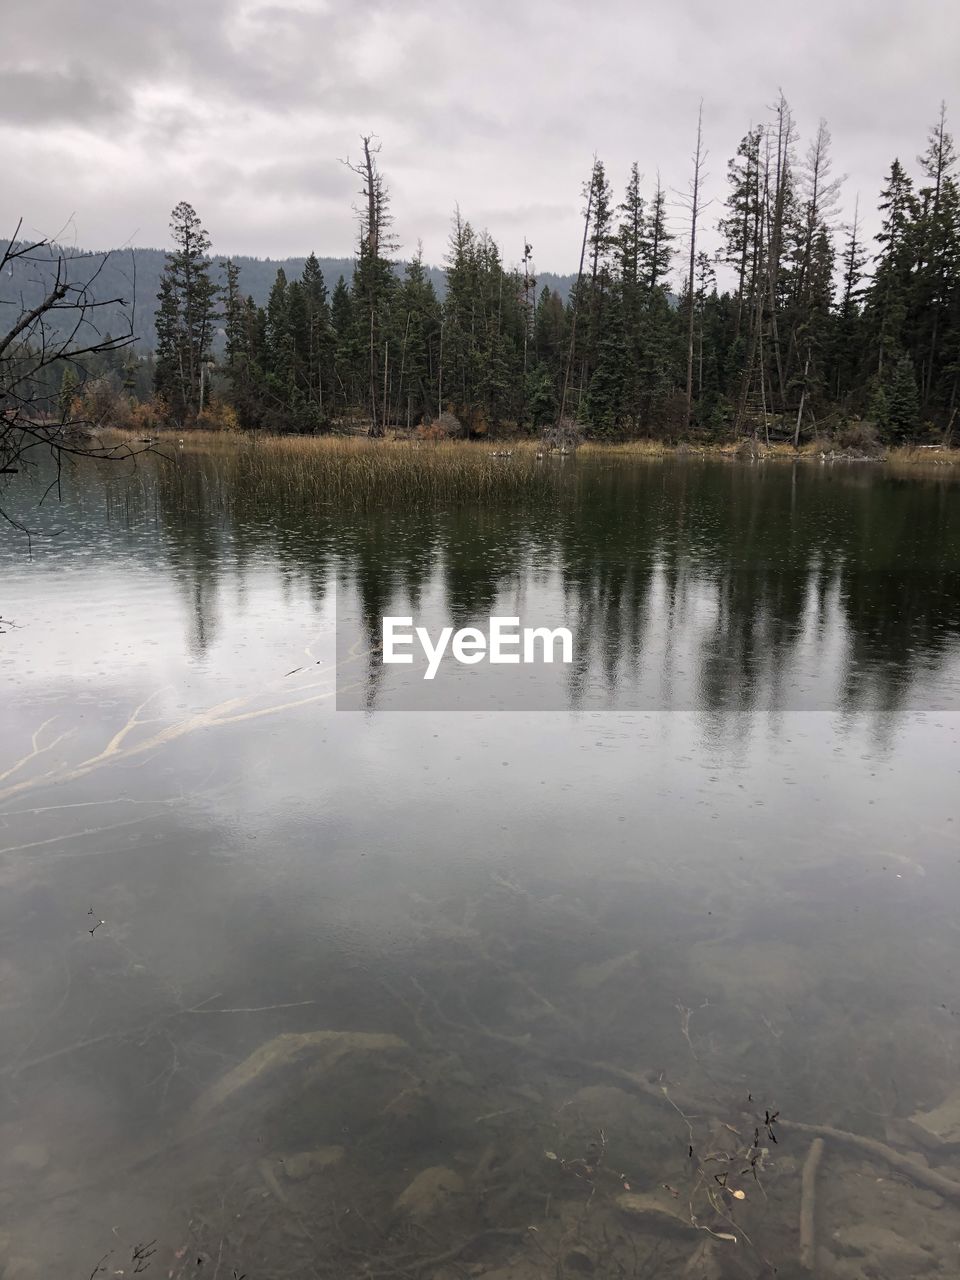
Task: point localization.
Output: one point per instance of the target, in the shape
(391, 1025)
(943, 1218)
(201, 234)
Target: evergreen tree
(245, 343)
(801, 335)
(69, 387)
(903, 402)
(483, 331)
(418, 310)
(541, 396)
(938, 233)
(316, 340)
(348, 348)
(847, 342)
(889, 296)
(606, 399)
(550, 334)
(742, 228)
(657, 255)
(186, 315)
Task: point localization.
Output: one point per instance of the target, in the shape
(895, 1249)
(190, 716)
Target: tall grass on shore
(358, 475)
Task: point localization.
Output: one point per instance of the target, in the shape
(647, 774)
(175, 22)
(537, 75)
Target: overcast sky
(111, 113)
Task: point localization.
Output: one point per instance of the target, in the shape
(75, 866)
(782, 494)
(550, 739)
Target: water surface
(719, 855)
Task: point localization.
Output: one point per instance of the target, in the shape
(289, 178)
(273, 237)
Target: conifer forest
(797, 324)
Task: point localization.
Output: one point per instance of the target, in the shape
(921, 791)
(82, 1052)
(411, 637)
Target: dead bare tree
(694, 201)
(575, 301)
(777, 213)
(38, 343)
(374, 272)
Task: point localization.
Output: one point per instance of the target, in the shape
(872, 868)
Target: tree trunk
(803, 396)
(694, 209)
(576, 297)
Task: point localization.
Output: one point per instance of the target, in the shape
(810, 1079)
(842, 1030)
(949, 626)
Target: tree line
(818, 330)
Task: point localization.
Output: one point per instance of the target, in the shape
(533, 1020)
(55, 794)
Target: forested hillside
(134, 275)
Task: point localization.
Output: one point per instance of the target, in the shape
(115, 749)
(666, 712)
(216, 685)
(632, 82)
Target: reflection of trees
(735, 579)
(208, 527)
(384, 567)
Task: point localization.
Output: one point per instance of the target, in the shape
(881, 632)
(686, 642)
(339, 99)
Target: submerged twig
(808, 1205)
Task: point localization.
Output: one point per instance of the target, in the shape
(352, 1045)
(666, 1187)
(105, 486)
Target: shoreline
(746, 450)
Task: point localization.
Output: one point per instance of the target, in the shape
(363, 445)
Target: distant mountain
(133, 275)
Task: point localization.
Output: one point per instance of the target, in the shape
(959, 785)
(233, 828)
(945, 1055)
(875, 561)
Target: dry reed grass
(357, 473)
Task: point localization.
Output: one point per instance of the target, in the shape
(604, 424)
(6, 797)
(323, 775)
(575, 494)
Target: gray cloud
(40, 97)
(244, 108)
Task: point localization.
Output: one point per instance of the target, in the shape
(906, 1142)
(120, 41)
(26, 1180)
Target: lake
(307, 969)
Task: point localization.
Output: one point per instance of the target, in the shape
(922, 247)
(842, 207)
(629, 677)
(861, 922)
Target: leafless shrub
(565, 435)
(39, 343)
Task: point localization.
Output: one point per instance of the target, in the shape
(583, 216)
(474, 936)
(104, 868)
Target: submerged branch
(808, 1205)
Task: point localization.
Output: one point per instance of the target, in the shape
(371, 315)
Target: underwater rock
(322, 1049)
(883, 1250)
(940, 1126)
(652, 1211)
(760, 971)
(429, 1192)
(579, 1260)
(304, 1164)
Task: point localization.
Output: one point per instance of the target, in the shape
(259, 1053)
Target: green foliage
(903, 402)
(69, 386)
(185, 317)
(878, 409)
(483, 332)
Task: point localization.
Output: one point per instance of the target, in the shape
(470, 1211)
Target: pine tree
(483, 327)
(889, 296)
(742, 227)
(281, 352)
(937, 235)
(658, 372)
(69, 387)
(185, 316)
(845, 352)
(878, 410)
(605, 400)
(418, 310)
(550, 333)
(244, 350)
(348, 347)
(633, 289)
(316, 340)
(541, 396)
(807, 284)
(657, 254)
(168, 378)
(600, 244)
(903, 402)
